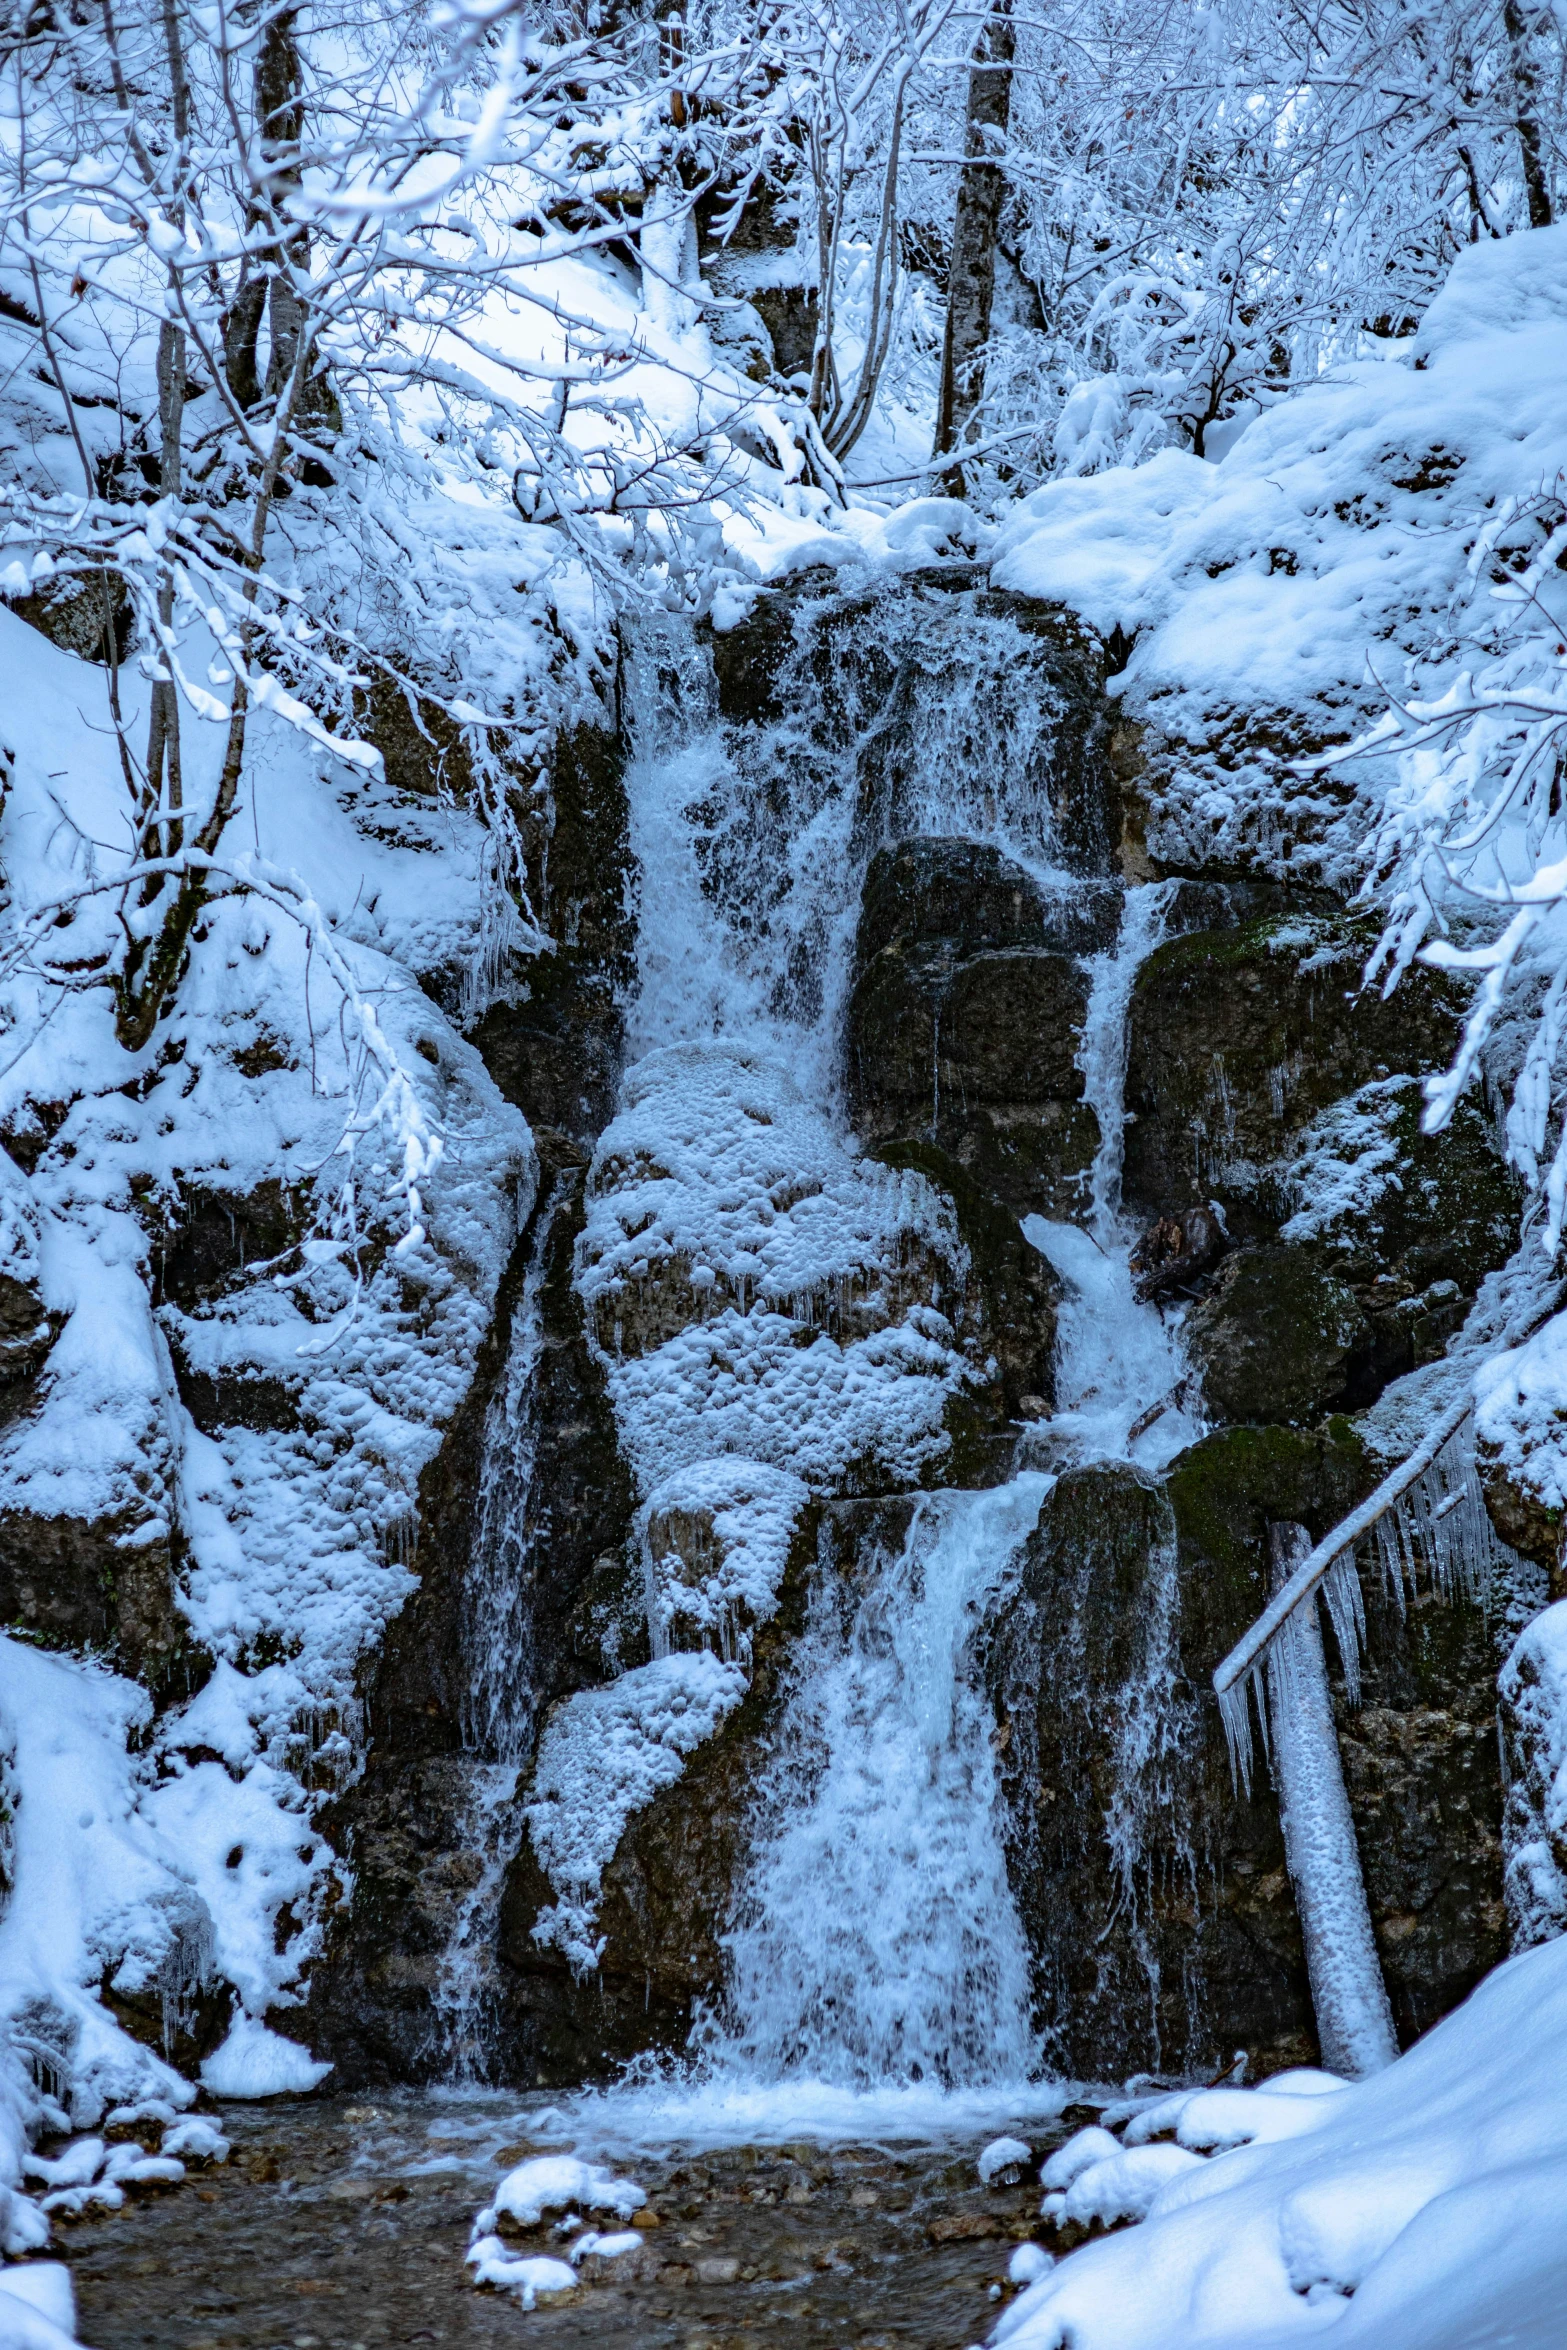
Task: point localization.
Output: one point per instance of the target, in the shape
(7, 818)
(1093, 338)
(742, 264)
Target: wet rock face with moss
(1240, 1038)
(553, 1043)
(1279, 1339)
(1262, 1078)
(408, 1820)
(1161, 1925)
(967, 1015)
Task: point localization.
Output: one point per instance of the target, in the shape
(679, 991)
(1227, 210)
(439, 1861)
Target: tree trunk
(1526, 87)
(971, 276)
(1354, 2020)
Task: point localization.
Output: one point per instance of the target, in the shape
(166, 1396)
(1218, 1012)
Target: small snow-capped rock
(1003, 2161)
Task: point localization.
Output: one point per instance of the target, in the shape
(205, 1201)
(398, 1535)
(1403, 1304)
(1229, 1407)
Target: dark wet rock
(1006, 1312)
(167, 1992)
(1260, 1079)
(1420, 1756)
(89, 615)
(26, 1329)
(1526, 1523)
(553, 1042)
(964, 896)
(1177, 1252)
(1157, 1907)
(863, 674)
(966, 1017)
(1279, 1338)
(406, 1823)
(103, 1584)
(421, 745)
(1529, 1724)
(1412, 1222)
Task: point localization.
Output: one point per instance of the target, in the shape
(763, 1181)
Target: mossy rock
(966, 1017)
(1161, 1925)
(1279, 1338)
(1239, 1038)
(1136, 1871)
(1008, 1312)
(1419, 1752)
(554, 1045)
(667, 1893)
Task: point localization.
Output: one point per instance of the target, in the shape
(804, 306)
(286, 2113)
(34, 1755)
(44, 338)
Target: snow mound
(256, 2062)
(559, 2182)
(1417, 2210)
(1495, 288)
(1002, 2154)
(604, 1754)
(528, 2277)
(717, 1537)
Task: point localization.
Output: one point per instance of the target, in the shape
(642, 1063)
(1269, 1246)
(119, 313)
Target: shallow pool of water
(341, 2223)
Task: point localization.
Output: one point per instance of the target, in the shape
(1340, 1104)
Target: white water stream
(876, 1946)
(498, 1716)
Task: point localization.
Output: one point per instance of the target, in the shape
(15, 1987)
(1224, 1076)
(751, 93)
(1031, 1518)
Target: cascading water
(1120, 1371)
(875, 1940)
(498, 1708)
(878, 1941)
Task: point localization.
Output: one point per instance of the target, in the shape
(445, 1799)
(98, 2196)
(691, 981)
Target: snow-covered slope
(1275, 597)
(214, 1462)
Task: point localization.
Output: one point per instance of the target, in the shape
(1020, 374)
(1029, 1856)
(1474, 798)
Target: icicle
(1347, 1614)
(1428, 1515)
(1235, 1708)
(1440, 1525)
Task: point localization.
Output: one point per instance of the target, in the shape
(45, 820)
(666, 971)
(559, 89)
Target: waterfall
(1121, 1371)
(877, 1941)
(498, 1701)
(874, 1941)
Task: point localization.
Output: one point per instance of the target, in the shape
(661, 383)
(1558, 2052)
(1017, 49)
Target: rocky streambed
(341, 2224)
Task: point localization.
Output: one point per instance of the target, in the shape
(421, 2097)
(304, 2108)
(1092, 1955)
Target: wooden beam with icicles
(1428, 1512)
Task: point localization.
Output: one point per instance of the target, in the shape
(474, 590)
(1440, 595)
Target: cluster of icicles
(1429, 1515)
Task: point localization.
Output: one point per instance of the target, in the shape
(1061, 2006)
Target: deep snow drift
(1419, 2210)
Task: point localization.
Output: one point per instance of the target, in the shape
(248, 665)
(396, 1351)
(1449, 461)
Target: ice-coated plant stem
(1354, 2021)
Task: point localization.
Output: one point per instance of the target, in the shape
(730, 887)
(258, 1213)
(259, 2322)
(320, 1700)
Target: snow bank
(1417, 2210)
(161, 1856)
(37, 2306)
(95, 1890)
(256, 2062)
(1270, 592)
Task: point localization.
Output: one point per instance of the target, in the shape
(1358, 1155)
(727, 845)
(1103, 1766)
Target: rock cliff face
(1344, 1249)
